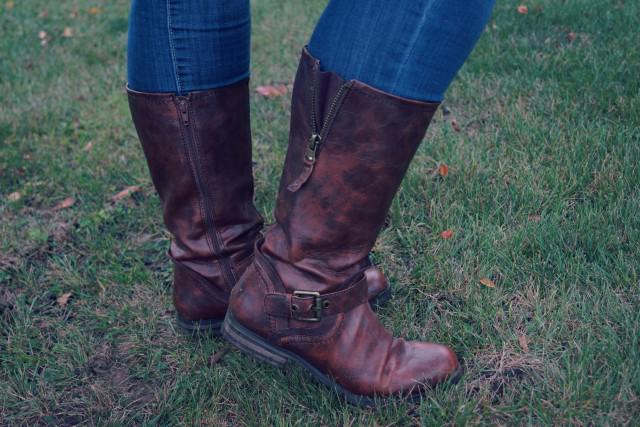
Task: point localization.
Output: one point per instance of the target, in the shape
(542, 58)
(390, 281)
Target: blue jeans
(410, 48)
(180, 46)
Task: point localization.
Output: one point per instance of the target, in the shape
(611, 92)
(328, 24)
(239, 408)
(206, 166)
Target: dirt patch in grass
(112, 381)
(495, 372)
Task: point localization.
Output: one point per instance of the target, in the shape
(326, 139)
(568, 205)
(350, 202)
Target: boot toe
(436, 363)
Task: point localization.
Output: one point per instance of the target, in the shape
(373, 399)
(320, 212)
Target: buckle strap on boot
(309, 306)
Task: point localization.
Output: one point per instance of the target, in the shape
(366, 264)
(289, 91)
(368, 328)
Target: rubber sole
(257, 347)
(207, 326)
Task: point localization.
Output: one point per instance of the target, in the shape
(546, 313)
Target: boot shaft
(349, 148)
(198, 149)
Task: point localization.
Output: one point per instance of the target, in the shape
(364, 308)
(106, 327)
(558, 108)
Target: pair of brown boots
(302, 292)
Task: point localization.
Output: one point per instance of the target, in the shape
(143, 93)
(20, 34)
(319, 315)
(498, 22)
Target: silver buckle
(316, 307)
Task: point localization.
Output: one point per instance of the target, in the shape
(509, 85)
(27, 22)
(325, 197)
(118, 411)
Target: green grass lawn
(542, 196)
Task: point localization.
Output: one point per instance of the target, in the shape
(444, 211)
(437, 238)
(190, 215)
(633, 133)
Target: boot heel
(381, 299)
(250, 343)
(197, 327)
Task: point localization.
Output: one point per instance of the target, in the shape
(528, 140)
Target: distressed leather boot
(198, 149)
(304, 297)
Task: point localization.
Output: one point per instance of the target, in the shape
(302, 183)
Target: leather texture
(198, 149)
(328, 215)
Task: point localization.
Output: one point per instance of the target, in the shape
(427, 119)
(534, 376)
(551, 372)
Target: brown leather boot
(198, 149)
(304, 297)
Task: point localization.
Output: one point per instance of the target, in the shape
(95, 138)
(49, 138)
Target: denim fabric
(410, 48)
(180, 46)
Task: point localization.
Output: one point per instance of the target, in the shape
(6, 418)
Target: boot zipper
(317, 137)
(192, 153)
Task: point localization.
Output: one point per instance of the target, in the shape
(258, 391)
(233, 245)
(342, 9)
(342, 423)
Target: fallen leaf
(126, 192)
(524, 342)
(523, 10)
(9, 5)
(534, 218)
(68, 32)
(66, 203)
(446, 234)
(43, 13)
(73, 14)
(571, 36)
(217, 356)
(14, 197)
(487, 282)
(271, 91)
(64, 299)
(443, 169)
(455, 125)
(94, 10)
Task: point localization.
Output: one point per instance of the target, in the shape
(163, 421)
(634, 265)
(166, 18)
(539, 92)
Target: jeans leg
(410, 48)
(181, 46)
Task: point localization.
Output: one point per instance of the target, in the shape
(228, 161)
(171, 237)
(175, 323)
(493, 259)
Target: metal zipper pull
(312, 149)
(309, 162)
(184, 111)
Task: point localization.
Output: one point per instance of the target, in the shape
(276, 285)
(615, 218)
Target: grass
(543, 197)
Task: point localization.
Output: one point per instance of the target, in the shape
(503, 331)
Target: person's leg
(410, 48)
(181, 46)
(188, 63)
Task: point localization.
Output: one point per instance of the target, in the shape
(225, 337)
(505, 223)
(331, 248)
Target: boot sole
(257, 347)
(207, 326)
